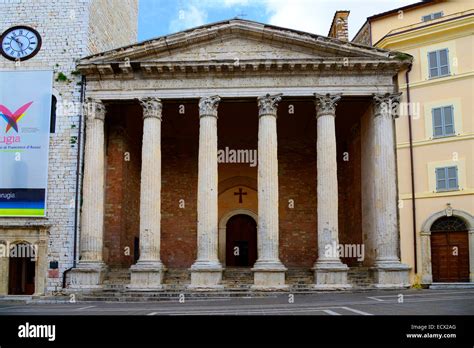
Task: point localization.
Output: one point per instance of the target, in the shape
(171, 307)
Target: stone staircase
(360, 277)
(237, 278)
(237, 283)
(117, 278)
(300, 279)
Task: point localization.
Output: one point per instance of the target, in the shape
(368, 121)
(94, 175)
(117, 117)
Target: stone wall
(64, 26)
(112, 24)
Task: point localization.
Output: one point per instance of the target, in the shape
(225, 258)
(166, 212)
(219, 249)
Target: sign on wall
(25, 110)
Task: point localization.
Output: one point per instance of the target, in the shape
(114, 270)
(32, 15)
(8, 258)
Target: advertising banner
(25, 112)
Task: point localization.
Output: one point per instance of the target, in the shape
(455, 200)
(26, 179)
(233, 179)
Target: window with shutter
(438, 63)
(443, 121)
(447, 178)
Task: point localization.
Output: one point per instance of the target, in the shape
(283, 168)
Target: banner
(25, 112)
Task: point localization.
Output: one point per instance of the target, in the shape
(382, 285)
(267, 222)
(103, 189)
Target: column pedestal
(329, 272)
(147, 275)
(88, 275)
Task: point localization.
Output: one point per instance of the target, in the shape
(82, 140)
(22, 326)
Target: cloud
(188, 17)
(231, 3)
(316, 16)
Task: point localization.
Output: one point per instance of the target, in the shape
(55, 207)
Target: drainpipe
(412, 170)
(78, 170)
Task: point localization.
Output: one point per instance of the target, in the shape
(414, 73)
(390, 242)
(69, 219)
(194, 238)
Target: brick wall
(297, 180)
(122, 198)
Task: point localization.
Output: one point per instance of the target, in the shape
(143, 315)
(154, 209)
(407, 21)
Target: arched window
(448, 223)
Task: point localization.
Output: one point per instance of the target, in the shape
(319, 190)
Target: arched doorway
(449, 250)
(21, 270)
(241, 241)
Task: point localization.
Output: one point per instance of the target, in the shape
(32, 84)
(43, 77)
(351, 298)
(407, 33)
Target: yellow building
(435, 135)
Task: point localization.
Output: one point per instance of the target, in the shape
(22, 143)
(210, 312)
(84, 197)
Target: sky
(162, 17)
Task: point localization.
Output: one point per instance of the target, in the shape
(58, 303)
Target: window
(447, 178)
(432, 16)
(438, 63)
(52, 124)
(443, 121)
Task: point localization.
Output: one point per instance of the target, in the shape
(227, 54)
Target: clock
(20, 43)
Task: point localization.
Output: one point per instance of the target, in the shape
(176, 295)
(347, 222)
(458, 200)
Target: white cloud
(230, 3)
(188, 17)
(316, 16)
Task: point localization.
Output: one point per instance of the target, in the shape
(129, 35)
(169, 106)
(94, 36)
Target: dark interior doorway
(241, 241)
(21, 273)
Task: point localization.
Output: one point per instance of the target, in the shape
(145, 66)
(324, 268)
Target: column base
(269, 275)
(88, 275)
(147, 275)
(391, 275)
(206, 275)
(330, 275)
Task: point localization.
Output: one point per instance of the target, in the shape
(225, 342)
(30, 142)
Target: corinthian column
(329, 271)
(148, 272)
(269, 272)
(91, 267)
(206, 272)
(389, 271)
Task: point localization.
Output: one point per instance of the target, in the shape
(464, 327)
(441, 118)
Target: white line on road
(153, 313)
(330, 312)
(356, 311)
(82, 308)
(376, 299)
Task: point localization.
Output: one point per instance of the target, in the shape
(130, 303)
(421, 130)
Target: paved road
(406, 302)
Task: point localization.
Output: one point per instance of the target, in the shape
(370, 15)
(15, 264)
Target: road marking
(153, 313)
(356, 311)
(330, 312)
(376, 299)
(82, 308)
(431, 293)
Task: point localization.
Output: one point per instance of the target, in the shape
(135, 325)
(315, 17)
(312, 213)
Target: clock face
(20, 43)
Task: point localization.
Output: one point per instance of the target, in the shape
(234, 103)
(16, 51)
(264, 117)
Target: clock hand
(20, 45)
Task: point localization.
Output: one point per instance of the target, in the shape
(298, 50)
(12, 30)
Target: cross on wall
(240, 194)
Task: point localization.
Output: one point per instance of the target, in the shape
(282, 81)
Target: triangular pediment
(254, 44)
(236, 47)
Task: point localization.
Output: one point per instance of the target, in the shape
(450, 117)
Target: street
(403, 302)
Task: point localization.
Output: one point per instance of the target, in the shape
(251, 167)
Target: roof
(404, 8)
(396, 11)
(234, 24)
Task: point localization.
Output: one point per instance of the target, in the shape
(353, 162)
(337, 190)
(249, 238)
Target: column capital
(94, 109)
(326, 104)
(268, 104)
(208, 106)
(152, 107)
(386, 104)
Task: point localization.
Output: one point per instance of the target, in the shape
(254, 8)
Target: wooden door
(450, 256)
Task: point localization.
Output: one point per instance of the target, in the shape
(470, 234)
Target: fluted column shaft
(327, 176)
(385, 182)
(330, 272)
(92, 226)
(207, 228)
(268, 180)
(150, 188)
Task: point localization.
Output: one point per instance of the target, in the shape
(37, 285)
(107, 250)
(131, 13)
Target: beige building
(435, 135)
